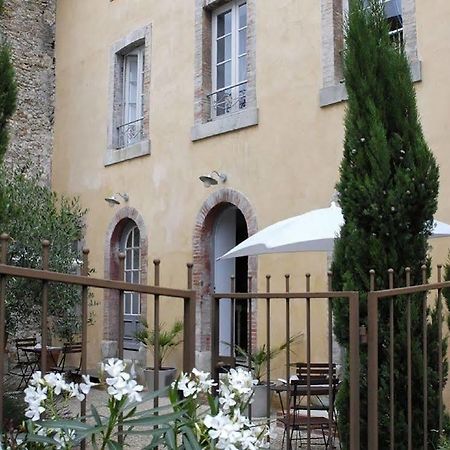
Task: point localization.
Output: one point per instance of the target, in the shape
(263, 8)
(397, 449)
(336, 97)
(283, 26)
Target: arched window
(130, 245)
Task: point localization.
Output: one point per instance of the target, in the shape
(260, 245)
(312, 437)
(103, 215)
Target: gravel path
(97, 397)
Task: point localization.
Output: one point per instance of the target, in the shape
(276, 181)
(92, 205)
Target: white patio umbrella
(313, 231)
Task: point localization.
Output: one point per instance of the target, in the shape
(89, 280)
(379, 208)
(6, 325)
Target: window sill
(232, 122)
(137, 150)
(332, 95)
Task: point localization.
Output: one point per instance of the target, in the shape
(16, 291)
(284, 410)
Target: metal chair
(296, 418)
(25, 364)
(69, 349)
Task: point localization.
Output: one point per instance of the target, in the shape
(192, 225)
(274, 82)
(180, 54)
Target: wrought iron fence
(130, 133)
(418, 297)
(47, 276)
(310, 377)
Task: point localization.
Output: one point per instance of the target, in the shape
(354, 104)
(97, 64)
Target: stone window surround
(136, 38)
(333, 87)
(203, 126)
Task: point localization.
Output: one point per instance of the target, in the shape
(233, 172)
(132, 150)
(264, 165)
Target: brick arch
(111, 266)
(202, 246)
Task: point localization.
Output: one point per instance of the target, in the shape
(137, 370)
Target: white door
(224, 240)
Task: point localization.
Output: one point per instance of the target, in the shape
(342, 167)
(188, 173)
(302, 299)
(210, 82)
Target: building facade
(28, 27)
(152, 95)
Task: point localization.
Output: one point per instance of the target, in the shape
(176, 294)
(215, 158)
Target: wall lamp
(112, 200)
(210, 180)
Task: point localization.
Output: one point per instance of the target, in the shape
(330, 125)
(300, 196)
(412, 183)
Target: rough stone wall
(28, 26)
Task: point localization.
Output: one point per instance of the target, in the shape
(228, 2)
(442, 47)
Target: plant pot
(166, 376)
(259, 404)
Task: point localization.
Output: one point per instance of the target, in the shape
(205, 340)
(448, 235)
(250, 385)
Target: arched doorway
(216, 212)
(230, 229)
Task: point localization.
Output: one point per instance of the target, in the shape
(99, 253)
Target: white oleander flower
(56, 382)
(36, 378)
(114, 367)
(73, 390)
(86, 385)
(133, 390)
(34, 396)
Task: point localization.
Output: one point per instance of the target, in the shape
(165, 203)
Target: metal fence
(419, 298)
(266, 299)
(47, 276)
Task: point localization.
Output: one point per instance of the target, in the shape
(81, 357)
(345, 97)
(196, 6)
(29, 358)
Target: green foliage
(8, 93)
(29, 213)
(260, 356)
(388, 193)
(168, 340)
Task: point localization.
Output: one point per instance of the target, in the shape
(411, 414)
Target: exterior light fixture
(112, 199)
(210, 180)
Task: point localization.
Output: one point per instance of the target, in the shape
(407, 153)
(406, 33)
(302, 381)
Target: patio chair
(26, 362)
(322, 427)
(62, 366)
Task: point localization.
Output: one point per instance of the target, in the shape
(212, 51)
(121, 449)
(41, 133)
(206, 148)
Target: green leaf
(95, 414)
(153, 420)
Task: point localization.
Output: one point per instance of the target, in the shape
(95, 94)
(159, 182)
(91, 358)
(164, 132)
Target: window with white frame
(229, 59)
(132, 274)
(393, 13)
(131, 130)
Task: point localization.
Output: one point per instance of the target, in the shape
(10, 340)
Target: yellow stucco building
(151, 95)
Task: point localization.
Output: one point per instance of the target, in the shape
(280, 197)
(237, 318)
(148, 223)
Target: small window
(131, 130)
(393, 12)
(229, 56)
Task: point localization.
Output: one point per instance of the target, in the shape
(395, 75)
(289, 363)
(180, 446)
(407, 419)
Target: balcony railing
(130, 133)
(227, 100)
(397, 37)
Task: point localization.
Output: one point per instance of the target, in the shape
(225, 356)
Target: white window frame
(139, 53)
(235, 83)
(130, 230)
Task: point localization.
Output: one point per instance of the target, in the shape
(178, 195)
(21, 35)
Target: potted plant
(168, 340)
(259, 359)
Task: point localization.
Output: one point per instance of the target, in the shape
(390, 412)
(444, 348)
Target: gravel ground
(98, 397)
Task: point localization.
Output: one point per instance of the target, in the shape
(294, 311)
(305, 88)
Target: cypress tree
(388, 191)
(7, 92)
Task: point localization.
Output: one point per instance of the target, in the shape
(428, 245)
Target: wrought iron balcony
(227, 100)
(130, 133)
(397, 37)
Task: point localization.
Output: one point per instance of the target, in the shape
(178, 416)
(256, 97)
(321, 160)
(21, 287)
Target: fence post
(372, 365)
(308, 363)
(425, 359)
(391, 364)
(354, 373)
(156, 263)
(189, 326)
(84, 323)
(409, 357)
(440, 368)
(4, 238)
(44, 312)
(121, 277)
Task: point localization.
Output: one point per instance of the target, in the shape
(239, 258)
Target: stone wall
(28, 26)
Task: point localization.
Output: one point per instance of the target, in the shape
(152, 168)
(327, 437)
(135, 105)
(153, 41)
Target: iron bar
(4, 238)
(308, 363)
(425, 359)
(189, 326)
(354, 372)
(44, 311)
(250, 335)
(84, 323)
(268, 348)
(233, 312)
(156, 348)
(121, 275)
(409, 358)
(391, 364)
(288, 365)
(330, 366)
(77, 280)
(372, 365)
(440, 353)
